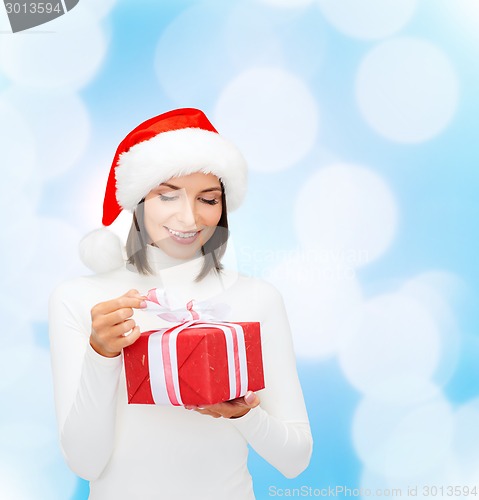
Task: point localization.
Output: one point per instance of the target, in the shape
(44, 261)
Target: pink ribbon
(158, 303)
(162, 346)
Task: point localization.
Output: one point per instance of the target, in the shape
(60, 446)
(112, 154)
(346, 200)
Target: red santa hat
(176, 143)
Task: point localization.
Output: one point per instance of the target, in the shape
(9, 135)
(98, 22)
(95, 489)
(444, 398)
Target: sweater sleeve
(278, 429)
(85, 386)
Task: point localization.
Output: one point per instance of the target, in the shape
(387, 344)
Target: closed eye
(210, 202)
(168, 198)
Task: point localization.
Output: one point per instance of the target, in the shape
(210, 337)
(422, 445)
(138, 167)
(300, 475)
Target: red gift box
(195, 363)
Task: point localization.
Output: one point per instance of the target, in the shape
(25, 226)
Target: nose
(186, 215)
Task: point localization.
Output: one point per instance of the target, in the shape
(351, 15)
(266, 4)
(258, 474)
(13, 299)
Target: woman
(179, 177)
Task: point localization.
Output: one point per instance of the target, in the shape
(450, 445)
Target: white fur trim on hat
(175, 153)
(101, 251)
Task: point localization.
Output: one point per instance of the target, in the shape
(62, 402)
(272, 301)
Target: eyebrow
(207, 190)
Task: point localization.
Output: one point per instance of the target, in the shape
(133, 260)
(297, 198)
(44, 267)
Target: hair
(213, 250)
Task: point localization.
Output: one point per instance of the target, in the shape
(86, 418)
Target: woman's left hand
(229, 409)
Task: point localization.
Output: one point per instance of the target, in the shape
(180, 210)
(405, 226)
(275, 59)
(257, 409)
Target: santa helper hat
(179, 142)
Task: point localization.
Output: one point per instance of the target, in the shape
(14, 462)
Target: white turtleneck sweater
(149, 452)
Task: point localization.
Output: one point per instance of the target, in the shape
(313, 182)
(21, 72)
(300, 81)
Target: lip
(183, 241)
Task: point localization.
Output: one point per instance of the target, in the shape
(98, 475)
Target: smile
(183, 238)
(181, 234)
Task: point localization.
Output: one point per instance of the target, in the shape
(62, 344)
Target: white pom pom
(101, 251)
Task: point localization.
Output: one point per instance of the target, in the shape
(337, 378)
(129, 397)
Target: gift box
(194, 363)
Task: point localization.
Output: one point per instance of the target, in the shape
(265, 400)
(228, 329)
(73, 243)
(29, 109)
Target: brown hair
(213, 250)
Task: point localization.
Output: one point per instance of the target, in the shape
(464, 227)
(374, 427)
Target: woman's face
(182, 213)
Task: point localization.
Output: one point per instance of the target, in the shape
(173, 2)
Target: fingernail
(143, 304)
(249, 397)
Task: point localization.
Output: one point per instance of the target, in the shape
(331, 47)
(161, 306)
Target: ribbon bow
(157, 302)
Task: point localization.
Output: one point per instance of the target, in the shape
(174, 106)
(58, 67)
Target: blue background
(406, 148)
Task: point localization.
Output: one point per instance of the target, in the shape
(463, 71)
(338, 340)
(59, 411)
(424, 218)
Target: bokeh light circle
(368, 19)
(32, 392)
(13, 250)
(319, 292)
(347, 210)
(390, 336)
(17, 143)
(56, 259)
(466, 438)
(438, 291)
(60, 124)
(399, 441)
(407, 89)
(301, 48)
(272, 116)
(66, 58)
(194, 72)
(17, 357)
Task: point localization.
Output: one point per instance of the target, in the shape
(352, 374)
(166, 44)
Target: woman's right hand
(112, 326)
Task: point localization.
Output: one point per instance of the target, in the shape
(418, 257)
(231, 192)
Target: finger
(118, 316)
(205, 411)
(129, 302)
(136, 295)
(123, 329)
(129, 337)
(226, 409)
(119, 303)
(118, 344)
(132, 337)
(108, 338)
(129, 299)
(107, 321)
(236, 407)
(251, 399)
(217, 408)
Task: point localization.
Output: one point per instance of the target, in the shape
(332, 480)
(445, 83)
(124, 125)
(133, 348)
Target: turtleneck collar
(163, 264)
(160, 261)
